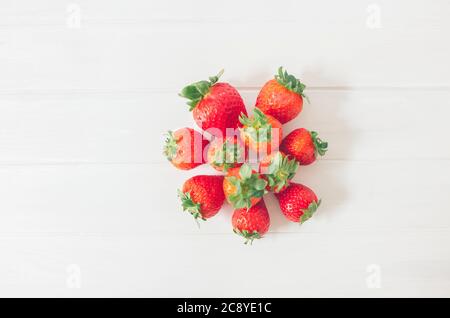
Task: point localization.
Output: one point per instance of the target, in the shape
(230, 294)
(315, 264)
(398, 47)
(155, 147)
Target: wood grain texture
(85, 191)
(336, 265)
(129, 127)
(144, 44)
(130, 199)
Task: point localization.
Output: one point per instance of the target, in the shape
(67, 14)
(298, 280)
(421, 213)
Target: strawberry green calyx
(228, 156)
(249, 236)
(196, 91)
(290, 82)
(321, 146)
(280, 171)
(248, 186)
(171, 146)
(258, 127)
(308, 213)
(190, 206)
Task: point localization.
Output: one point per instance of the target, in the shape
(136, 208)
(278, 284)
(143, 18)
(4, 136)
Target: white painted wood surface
(88, 204)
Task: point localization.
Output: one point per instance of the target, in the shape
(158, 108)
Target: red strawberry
(214, 105)
(227, 153)
(202, 196)
(282, 97)
(244, 187)
(304, 146)
(184, 148)
(252, 223)
(298, 202)
(278, 170)
(261, 132)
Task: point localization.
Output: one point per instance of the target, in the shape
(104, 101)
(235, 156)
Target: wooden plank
(141, 199)
(51, 12)
(88, 201)
(412, 264)
(128, 127)
(147, 45)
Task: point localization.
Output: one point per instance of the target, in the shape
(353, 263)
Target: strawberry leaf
(190, 206)
(240, 203)
(260, 184)
(249, 236)
(309, 212)
(228, 156)
(245, 171)
(257, 127)
(321, 146)
(171, 146)
(214, 79)
(290, 82)
(280, 171)
(197, 91)
(248, 188)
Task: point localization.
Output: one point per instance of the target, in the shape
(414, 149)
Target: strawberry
(202, 196)
(227, 153)
(304, 146)
(184, 148)
(261, 132)
(252, 223)
(243, 187)
(278, 170)
(215, 106)
(298, 203)
(282, 97)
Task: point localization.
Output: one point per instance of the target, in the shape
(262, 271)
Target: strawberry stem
(290, 82)
(258, 127)
(190, 206)
(195, 92)
(227, 156)
(171, 146)
(249, 236)
(309, 212)
(321, 146)
(280, 171)
(249, 185)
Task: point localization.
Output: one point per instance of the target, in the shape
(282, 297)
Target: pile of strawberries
(238, 141)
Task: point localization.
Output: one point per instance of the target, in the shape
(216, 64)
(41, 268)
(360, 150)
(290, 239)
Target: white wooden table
(88, 204)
